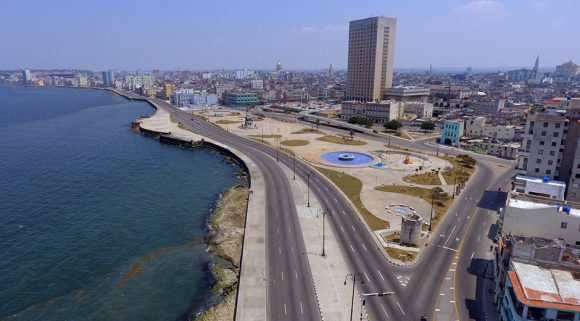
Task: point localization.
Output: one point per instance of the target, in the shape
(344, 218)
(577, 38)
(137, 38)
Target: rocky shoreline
(225, 239)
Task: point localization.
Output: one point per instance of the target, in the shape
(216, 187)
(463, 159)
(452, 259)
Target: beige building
(568, 69)
(371, 49)
(551, 147)
(407, 93)
(476, 127)
(378, 112)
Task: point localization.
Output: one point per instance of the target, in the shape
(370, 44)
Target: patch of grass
(266, 136)
(461, 171)
(401, 255)
(341, 140)
(225, 121)
(439, 207)
(428, 178)
(352, 186)
(308, 131)
(294, 142)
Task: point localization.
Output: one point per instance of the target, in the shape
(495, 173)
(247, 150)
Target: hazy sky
(213, 34)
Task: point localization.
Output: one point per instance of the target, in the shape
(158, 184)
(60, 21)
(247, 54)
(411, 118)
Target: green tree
(428, 125)
(393, 124)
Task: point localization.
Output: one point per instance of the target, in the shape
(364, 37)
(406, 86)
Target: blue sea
(98, 222)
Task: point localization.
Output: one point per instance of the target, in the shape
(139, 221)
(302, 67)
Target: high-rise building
(279, 66)
(108, 78)
(26, 77)
(371, 49)
(550, 145)
(330, 70)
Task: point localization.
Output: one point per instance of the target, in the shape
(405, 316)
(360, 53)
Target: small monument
(408, 160)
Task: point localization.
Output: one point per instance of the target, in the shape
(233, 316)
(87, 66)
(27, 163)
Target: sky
(302, 34)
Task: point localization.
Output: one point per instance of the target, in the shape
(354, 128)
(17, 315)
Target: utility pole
(437, 148)
(324, 213)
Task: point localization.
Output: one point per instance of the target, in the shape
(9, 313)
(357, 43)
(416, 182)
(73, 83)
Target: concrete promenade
(252, 286)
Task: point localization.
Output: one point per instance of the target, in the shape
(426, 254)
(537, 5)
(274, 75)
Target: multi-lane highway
(291, 293)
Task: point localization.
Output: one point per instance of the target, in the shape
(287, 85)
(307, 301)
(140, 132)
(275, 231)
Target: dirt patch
(295, 142)
(341, 140)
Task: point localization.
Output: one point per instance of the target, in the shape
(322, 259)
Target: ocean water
(98, 222)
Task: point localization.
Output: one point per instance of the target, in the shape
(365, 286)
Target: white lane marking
(278, 231)
(343, 212)
(282, 273)
(301, 309)
(279, 250)
(441, 294)
(366, 276)
(353, 228)
(341, 228)
(454, 226)
(352, 248)
(326, 188)
(292, 248)
(478, 237)
(364, 247)
(288, 230)
(381, 275)
(335, 200)
(296, 274)
(451, 270)
(385, 312)
(400, 308)
(472, 254)
(284, 308)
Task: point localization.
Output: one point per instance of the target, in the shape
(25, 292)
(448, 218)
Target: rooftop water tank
(566, 209)
(546, 179)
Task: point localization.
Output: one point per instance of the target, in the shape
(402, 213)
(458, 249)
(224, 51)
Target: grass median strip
(341, 140)
(226, 121)
(428, 178)
(352, 186)
(294, 142)
(309, 131)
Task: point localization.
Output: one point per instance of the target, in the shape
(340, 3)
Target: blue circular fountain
(347, 158)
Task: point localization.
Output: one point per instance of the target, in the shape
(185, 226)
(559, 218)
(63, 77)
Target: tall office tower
(330, 70)
(551, 146)
(371, 49)
(26, 77)
(278, 66)
(108, 78)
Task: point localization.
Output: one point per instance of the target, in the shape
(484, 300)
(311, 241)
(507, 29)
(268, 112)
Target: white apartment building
(421, 109)
(257, 84)
(476, 127)
(533, 216)
(378, 112)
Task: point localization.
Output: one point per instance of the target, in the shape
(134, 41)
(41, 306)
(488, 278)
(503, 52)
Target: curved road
(291, 292)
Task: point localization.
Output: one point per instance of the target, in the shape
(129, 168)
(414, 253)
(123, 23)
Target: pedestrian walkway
(441, 178)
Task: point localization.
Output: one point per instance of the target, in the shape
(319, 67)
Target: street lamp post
(362, 282)
(437, 148)
(324, 213)
(431, 219)
(308, 197)
(294, 165)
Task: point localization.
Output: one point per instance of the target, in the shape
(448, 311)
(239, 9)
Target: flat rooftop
(540, 180)
(531, 204)
(548, 288)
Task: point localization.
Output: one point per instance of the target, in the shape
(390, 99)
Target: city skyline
(302, 35)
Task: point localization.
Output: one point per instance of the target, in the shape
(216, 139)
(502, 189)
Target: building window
(563, 225)
(543, 133)
(545, 124)
(541, 152)
(538, 161)
(550, 162)
(553, 144)
(542, 143)
(557, 125)
(552, 153)
(537, 170)
(548, 171)
(556, 134)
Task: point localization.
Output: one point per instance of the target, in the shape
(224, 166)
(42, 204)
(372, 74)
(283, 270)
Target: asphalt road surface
(291, 292)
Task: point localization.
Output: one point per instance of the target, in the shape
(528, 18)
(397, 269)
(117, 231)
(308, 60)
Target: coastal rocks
(225, 240)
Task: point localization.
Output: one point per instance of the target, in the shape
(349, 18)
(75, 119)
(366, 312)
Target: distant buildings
(526, 74)
(452, 132)
(108, 78)
(279, 66)
(476, 127)
(407, 93)
(188, 97)
(239, 99)
(371, 48)
(568, 69)
(243, 74)
(26, 77)
(138, 81)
